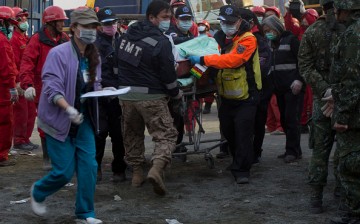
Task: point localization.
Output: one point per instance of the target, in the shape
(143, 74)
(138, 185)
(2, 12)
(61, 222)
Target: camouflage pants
(321, 142)
(155, 115)
(349, 168)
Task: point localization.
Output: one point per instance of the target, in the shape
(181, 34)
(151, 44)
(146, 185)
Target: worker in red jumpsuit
(24, 111)
(8, 73)
(309, 16)
(33, 59)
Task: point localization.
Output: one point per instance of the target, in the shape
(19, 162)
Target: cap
(183, 11)
(84, 16)
(106, 15)
(229, 13)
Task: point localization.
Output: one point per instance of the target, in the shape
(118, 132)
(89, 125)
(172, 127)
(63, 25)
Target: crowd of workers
(272, 72)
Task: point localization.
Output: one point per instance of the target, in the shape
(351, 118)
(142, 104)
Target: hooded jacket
(146, 61)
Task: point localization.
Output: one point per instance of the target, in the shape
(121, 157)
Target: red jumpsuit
(24, 111)
(33, 61)
(8, 73)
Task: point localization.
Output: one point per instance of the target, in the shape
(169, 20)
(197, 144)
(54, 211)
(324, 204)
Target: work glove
(109, 88)
(30, 93)
(194, 59)
(302, 7)
(287, 5)
(296, 87)
(19, 89)
(14, 95)
(179, 95)
(74, 115)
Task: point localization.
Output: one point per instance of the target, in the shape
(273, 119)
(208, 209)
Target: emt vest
(237, 83)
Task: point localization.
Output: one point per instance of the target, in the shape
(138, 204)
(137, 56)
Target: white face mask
(185, 25)
(164, 25)
(88, 36)
(202, 28)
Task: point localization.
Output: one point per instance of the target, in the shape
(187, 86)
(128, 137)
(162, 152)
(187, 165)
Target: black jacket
(104, 44)
(178, 36)
(284, 65)
(145, 60)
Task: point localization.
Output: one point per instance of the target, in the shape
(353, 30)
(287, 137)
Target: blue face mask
(7, 31)
(270, 36)
(185, 25)
(24, 26)
(229, 30)
(260, 19)
(164, 25)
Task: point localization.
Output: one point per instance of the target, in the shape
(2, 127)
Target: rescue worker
(24, 111)
(9, 94)
(259, 12)
(239, 83)
(183, 22)
(146, 63)
(314, 65)
(70, 70)
(343, 102)
(174, 5)
(33, 59)
(288, 84)
(109, 108)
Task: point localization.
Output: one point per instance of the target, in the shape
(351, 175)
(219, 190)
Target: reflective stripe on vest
(284, 47)
(282, 67)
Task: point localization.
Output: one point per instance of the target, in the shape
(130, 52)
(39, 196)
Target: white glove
(74, 115)
(296, 87)
(110, 88)
(179, 95)
(327, 93)
(30, 93)
(287, 5)
(302, 7)
(19, 89)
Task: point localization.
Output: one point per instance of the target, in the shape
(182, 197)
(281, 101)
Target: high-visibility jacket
(239, 68)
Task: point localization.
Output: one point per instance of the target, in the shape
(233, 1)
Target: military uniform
(314, 64)
(345, 72)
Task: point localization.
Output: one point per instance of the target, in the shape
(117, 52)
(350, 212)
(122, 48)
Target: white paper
(106, 93)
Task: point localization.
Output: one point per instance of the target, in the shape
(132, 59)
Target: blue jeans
(73, 155)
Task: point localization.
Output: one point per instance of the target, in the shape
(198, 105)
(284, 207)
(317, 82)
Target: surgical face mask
(229, 30)
(164, 25)
(7, 31)
(87, 36)
(110, 30)
(202, 28)
(24, 26)
(185, 25)
(260, 19)
(270, 36)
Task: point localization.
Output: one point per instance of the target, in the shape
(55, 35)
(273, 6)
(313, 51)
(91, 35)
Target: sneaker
(277, 132)
(35, 146)
(118, 177)
(39, 208)
(7, 163)
(222, 155)
(89, 220)
(242, 180)
(25, 147)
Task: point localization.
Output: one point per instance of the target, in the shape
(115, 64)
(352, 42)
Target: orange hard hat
(258, 9)
(6, 13)
(53, 13)
(204, 22)
(274, 9)
(177, 3)
(19, 12)
(313, 12)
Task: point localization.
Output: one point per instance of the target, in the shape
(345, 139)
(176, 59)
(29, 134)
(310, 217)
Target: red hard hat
(7, 13)
(206, 23)
(53, 13)
(313, 12)
(177, 3)
(19, 12)
(274, 9)
(258, 9)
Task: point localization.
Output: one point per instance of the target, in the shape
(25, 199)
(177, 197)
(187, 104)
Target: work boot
(316, 200)
(46, 159)
(155, 176)
(207, 108)
(7, 162)
(138, 176)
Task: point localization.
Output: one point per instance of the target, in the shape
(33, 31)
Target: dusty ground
(277, 192)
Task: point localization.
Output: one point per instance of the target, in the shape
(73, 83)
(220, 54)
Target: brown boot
(316, 200)
(155, 176)
(138, 176)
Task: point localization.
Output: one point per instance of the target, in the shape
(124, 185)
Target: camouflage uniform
(314, 64)
(345, 72)
(156, 116)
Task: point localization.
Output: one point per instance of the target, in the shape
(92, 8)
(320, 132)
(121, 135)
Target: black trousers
(110, 125)
(290, 107)
(237, 125)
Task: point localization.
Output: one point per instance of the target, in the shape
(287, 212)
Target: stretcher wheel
(210, 162)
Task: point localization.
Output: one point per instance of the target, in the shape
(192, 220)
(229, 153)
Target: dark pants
(290, 107)
(178, 119)
(237, 125)
(110, 124)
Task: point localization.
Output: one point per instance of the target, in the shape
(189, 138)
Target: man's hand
(328, 108)
(340, 127)
(30, 93)
(296, 87)
(194, 59)
(74, 115)
(14, 95)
